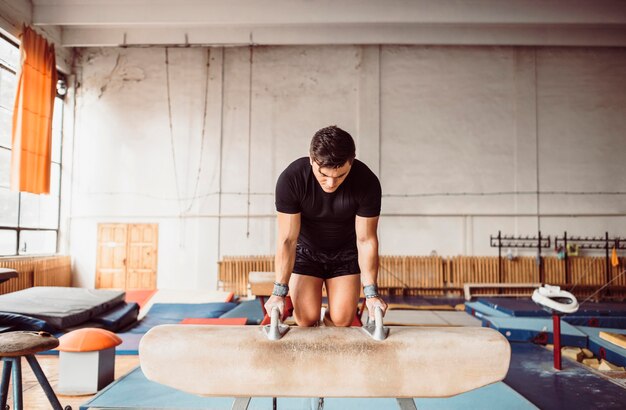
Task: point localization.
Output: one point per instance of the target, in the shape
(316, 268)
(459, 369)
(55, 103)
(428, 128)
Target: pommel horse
(252, 361)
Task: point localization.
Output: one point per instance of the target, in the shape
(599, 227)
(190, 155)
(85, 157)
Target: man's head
(332, 152)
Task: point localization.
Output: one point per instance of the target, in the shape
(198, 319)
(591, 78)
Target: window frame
(19, 229)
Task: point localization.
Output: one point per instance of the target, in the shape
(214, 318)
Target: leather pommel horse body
(236, 361)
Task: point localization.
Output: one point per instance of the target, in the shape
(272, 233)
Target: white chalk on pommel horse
(245, 362)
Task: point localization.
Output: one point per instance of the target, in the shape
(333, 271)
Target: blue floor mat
(161, 314)
(172, 313)
(531, 374)
(250, 309)
(135, 391)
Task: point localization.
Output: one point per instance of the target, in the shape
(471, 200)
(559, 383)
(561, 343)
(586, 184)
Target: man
(328, 207)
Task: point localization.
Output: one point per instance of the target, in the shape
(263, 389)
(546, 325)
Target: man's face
(330, 178)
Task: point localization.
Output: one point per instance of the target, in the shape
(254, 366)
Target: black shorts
(326, 264)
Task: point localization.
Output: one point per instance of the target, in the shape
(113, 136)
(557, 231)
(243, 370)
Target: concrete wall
(462, 139)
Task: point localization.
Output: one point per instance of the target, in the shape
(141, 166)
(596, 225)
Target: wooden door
(111, 259)
(127, 256)
(142, 256)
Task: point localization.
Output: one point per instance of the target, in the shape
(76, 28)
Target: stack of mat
(54, 309)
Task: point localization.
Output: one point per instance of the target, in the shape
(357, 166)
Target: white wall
(462, 138)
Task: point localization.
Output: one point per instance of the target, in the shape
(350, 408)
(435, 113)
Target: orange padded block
(88, 339)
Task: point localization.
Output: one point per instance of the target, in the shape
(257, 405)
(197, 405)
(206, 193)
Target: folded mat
(60, 307)
(119, 317)
(250, 309)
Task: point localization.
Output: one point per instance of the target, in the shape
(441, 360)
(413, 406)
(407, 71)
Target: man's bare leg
(306, 296)
(343, 298)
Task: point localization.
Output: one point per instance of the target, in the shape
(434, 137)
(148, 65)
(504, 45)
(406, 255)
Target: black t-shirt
(327, 219)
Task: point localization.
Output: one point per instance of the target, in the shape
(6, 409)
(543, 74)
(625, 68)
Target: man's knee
(341, 320)
(306, 320)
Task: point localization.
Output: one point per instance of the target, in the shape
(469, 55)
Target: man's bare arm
(287, 237)
(288, 231)
(367, 245)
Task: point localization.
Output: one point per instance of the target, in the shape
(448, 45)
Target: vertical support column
(368, 109)
(526, 158)
(209, 255)
(556, 331)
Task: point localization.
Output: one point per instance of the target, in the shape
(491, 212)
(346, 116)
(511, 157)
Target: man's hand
(275, 301)
(372, 303)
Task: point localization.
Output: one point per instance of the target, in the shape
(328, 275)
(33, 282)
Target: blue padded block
(528, 308)
(172, 313)
(514, 307)
(123, 393)
(517, 329)
(615, 322)
(118, 317)
(604, 349)
(481, 310)
(250, 309)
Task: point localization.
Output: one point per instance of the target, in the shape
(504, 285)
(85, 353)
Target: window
(29, 224)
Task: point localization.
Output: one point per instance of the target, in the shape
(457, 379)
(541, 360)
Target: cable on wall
(251, 59)
(169, 116)
(202, 134)
(537, 142)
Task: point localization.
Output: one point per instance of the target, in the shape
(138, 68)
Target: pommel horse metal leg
(242, 403)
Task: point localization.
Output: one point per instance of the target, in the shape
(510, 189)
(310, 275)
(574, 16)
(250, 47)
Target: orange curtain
(32, 115)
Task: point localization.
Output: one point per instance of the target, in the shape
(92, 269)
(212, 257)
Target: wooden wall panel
(53, 272)
(37, 271)
(434, 275)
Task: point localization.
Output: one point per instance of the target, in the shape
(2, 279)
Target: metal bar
(556, 330)
(565, 259)
(607, 272)
(6, 378)
(17, 384)
(406, 404)
(43, 381)
(241, 403)
(499, 256)
(539, 262)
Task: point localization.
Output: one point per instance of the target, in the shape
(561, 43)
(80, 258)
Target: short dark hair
(331, 147)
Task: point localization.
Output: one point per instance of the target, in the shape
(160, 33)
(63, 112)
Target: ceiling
(85, 23)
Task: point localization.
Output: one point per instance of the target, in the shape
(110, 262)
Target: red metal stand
(556, 331)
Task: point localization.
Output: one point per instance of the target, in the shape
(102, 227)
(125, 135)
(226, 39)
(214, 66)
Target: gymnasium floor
(531, 381)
